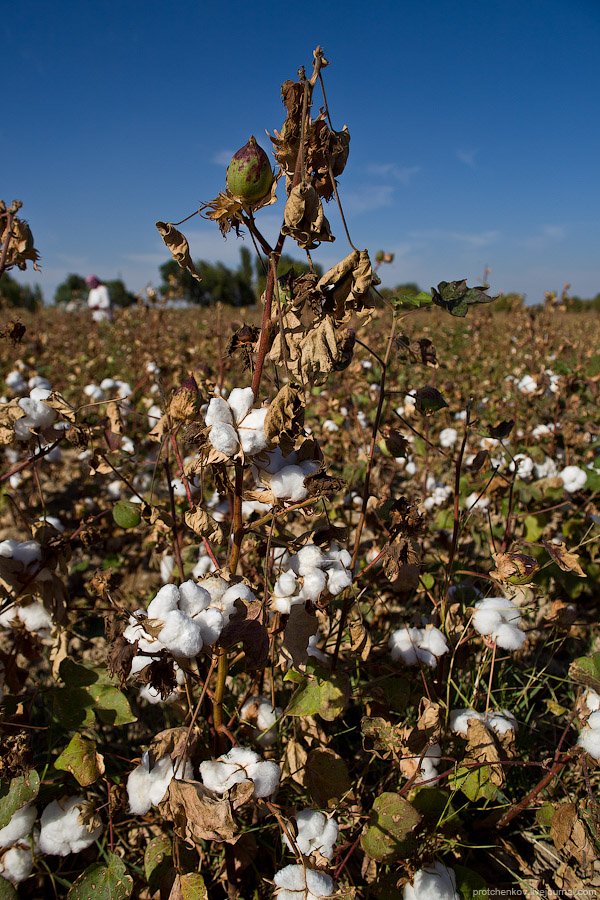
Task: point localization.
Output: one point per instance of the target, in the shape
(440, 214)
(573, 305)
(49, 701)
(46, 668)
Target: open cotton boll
(285, 585)
(35, 618)
(240, 764)
(240, 402)
(315, 832)
(429, 763)
(193, 598)
(258, 709)
(501, 722)
(166, 600)
(67, 826)
(147, 787)
(19, 826)
(448, 437)
(591, 700)
(573, 478)
(499, 618)
(218, 412)
(527, 385)
(460, 718)
(523, 465)
(338, 579)
(414, 645)
(309, 558)
(216, 587)
(432, 645)
(26, 552)
(224, 438)
(296, 882)
(17, 863)
(314, 584)
(252, 432)
(434, 882)
(589, 736)
(181, 635)
(288, 484)
(211, 624)
(226, 604)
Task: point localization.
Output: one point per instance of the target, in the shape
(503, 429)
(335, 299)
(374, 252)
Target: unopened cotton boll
(316, 832)
(499, 619)
(573, 478)
(19, 826)
(224, 438)
(296, 882)
(240, 764)
(434, 882)
(67, 826)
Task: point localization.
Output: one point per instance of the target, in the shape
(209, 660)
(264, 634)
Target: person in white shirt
(98, 299)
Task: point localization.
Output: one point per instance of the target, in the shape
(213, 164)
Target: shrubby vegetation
(299, 601)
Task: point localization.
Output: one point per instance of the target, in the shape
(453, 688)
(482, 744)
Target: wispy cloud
(368, 198)
(468, 239)
(222, 157)
(546, 237)
(468, 157)
(401, 174)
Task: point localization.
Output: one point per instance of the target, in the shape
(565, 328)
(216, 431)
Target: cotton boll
(288, 484)
(216, 587)
(17, 863)
(591, 700)
(448, 437)
(460, 718)
(309, 558)
(573, 478)
(166, 600)
(315, 832)
(330, 426)
(147, 787)
(240, 402)
(402, 644)
(108, 384)
(523, 465)
(181, 635)
(499, 618)
(527, 385)
(338, 579)
(240, 764)
(434, 882)
(218, 412)
(193, 598)
(430, 762)
(314, 584)
(295, 882)
(501, 722)
(475, 502)
(252, 433)
(432, 644)
(236, 592)
(67, 827)
(509, 637)
(35, 618)
(19, 826)
(258, 709)
(265, 775)
(313, 650)
(285, 586)
(224, 439)
(589, 736)
(211, 624)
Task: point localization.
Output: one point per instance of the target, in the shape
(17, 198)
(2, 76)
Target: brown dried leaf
(247, 628)
(304, 219)
(196, 815)
(402, 562)
(301, 626)
(184, 402)
(178, 247)
(294, 761)
(320, 484)
(482, 748)
(203, 524)
(285, 417)
(565, 559)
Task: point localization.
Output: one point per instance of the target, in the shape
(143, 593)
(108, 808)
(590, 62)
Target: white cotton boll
(314, 584)
(338, 579)
(224, 438)
(265, 774)
(265, 716)
(40, 393)
(153, 696)
(499, 618)
(403, 645)
(146, 788)
(315, 832)
(252, 432)
(501, 722)
(411, 467)
(474, 501)
(218, 412)
(166, 600)
(38, 381)
(523, 465)
(434, 882)
(295, 882)
(177, 485)
(591, 700)
(330, 426)
(240, 402)
(527, 385)
(509, 637)
(107, 384)
(19, 826)
(309, 558)
(203, 566)
(231, 768)
(216, 587)
(193, 598)
(27, 552)
(233, 593)
(313, 650)
(114, 489)
(36, 618)
(589, 736)
(154, 416)
(432, 645)
(573, 478)
(542, 431)
(547, 469)
(285, 585)
(430, 762)
(181, 635)
(17, 863)
(448, 437)
(288, 484)
(63, 829)
(211, 624)
(460, 718)
(14, 380)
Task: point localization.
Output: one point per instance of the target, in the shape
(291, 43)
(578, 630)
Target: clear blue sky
(474, 124)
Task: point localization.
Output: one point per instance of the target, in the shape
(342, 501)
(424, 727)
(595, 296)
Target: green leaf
(545, 814)
(89, 690)
(475, 782)
(321, 693)
(534, 528)
(586, 670)
(412, 301)
(103, 882)
(81, 759)
(434, 805)
(469, 884)
(158, 865)
(429, 400)
(127, 514)
(192, 887)
(7, 891)
(455, 297)
(16, 794)
(389, 834)
(327, 777)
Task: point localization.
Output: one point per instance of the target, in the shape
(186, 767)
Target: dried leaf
(203, 524)
(178, 247)
(564, 559)
(285, 417)
(304, 219)
(196, 815)
(301, 626)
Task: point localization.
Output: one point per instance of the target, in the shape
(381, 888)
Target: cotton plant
(148, 784)
(305, 575)
(523, 466)
(499, 619)
(68, 825)
(573, 478)
(39, 419)
(259, 711)
(240, 764)
(16, 845)
(448, 437)
(283, 475)
(500, 722)
(235, 427)
(433, 882)
(32, 616)
(589, 736)
(316, 833)
(297, 882)
(412, 646)
(476, 502)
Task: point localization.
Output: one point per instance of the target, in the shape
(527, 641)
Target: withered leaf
(301, 626)
(285, 417)
(502, 430)
(565, 559)
(304, 219)
(203, 524)
(429, 400)
(402, 562)
(196, 815)
(245, 627)
(517, 568)
(178, 247)
(320, 484)
(479, 461)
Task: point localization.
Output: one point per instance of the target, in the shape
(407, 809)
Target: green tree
(14, 294)
(285, 264)
(119, 294)
(73, 288)
(219, 284)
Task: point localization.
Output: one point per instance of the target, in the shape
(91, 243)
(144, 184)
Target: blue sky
(475, 137)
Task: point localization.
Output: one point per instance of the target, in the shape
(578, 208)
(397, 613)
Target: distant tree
(119, 294)
(285, 264)
(19, 295)
(219, 283)
(407, 289)
(73, 288)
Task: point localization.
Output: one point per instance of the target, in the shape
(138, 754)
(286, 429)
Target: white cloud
(222, 157)
(402, 174)
(467, 156)
(469, 239)
(367, 198)
(547, 236)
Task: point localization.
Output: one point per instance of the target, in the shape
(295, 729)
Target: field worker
(98, 299)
